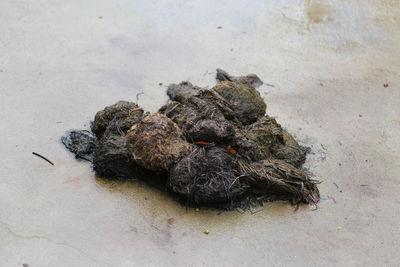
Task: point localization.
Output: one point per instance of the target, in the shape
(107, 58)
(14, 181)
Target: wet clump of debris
(208, 147)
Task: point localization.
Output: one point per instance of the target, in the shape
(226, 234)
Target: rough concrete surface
(61, 61)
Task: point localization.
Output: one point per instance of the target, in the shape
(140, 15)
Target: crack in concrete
(6, 227)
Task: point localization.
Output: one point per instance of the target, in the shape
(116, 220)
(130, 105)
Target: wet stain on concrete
(318, 12)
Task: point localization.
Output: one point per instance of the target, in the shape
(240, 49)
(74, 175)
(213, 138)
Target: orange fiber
(202, 143)
(231, 150)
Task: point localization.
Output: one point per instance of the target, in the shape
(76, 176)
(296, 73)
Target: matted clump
(250, 79)
(180, 92)
(216, 131)
(290, 151)
(263, 136)
(156, 143)
(245, 100)
(278, 179)
(205, 116)
(207, 175)
(210, 147)
(122, 115)
(112, 160)
(82, 143)
(266, 139)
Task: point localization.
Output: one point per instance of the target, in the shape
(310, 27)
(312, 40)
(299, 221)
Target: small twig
(335, 184)
(270, 85)
(40, 156)
(332, 198)
(257, 211)
(235, 180)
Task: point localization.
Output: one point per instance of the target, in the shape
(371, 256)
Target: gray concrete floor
(61, 61)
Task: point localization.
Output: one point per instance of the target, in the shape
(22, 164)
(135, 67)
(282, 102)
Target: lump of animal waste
(183, 115)
(180, 92)
(263, 135)
(251, 79)
(112, 160)
(290, 151)
(219, 102)
(265, 139)
(207, 175)
(203, 117)
(212, 131)
(246, 102)
(122, 115)
(280, 180)
(81, 143)
(210, 147)
(156, 143)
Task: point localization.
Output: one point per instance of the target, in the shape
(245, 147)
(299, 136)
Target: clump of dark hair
(278, 179)
(82, 143)
(205, 116)
(207, 175)
(112, 160)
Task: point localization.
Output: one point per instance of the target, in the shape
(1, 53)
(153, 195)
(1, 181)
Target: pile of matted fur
(210, 147)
